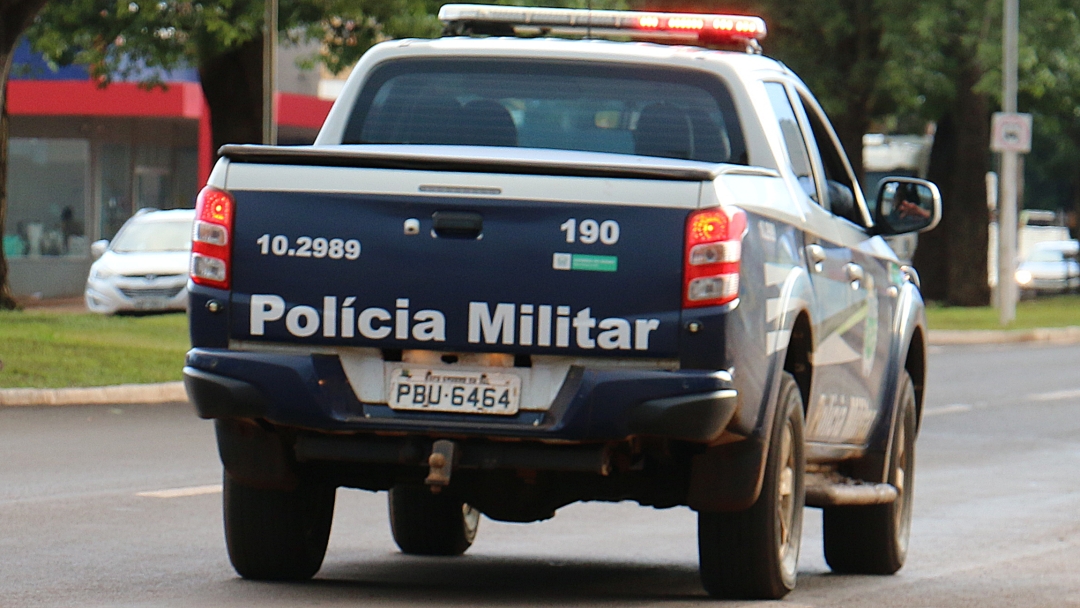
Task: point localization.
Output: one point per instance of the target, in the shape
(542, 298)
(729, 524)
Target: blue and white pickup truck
(517, 271)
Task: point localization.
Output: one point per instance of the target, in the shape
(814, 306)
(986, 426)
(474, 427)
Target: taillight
(211, 251)
(713, 250)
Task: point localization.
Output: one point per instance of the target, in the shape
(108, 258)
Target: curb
(1055, 335)
(173, 392)
(122, 394)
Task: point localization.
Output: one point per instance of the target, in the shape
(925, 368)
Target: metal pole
(1007, 288)
(270, 32)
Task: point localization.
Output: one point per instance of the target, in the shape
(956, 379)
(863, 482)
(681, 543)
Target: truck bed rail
(485, 160)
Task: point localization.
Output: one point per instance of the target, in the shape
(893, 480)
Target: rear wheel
(431, 524)
(874, 539)
(753, 554)
(277, 535)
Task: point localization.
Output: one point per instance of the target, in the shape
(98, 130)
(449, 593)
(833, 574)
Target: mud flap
(727, 477)
(255, 457)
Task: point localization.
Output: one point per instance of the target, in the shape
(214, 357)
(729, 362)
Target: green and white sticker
(580, 261)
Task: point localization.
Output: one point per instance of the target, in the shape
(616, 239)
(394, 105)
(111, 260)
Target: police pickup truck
(520, 269)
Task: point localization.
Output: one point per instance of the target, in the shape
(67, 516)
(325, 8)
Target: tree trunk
(861, 58)
(968, 216)
(952, 259)
(7, 301)
(850, 128)
(1074, 217)
(232, 84)
(931, 256)
(15, 17)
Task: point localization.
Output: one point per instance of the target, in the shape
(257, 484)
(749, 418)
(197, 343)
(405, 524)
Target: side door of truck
(829, 265)
(858, 341)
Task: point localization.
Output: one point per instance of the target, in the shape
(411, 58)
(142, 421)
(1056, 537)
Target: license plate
(151, 303)
(466, 392)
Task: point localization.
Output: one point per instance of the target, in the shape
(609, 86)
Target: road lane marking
(182, 492)
(952, 408)
(1073, 393)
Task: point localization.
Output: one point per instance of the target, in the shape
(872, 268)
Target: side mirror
(905, 205)
(97, 248)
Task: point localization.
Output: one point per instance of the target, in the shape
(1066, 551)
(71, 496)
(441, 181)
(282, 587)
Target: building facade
(82, 159)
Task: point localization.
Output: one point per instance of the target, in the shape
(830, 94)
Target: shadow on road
(479, 580)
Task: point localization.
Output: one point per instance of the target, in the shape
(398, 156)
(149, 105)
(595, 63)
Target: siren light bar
(569, 20)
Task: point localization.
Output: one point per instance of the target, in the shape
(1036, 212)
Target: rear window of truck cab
(593, 107)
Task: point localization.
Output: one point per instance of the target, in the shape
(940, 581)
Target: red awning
(126, 99)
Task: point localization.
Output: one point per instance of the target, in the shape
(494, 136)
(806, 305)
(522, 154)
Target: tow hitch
(440, 463)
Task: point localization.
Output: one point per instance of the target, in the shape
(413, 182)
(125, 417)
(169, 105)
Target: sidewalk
(123, 394)
(1052, 335)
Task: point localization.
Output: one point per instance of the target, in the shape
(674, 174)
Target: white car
(145, 267)
(1052, 267)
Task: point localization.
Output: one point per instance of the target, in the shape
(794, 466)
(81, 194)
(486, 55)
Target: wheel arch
(909, 348)
(797, 359)
(728, 477)
(915, 365)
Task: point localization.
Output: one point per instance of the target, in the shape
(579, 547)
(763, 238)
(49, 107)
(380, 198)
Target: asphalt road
(120, 506)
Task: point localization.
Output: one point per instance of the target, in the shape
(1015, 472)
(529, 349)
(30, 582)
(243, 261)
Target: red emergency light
(676, 27)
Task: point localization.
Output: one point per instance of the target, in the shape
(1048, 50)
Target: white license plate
(151, 303)
(466, 392)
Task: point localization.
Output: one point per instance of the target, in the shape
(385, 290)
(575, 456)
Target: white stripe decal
(775, 340)
(182, 492)
(772, 309)
(834, 351)
(776, 274)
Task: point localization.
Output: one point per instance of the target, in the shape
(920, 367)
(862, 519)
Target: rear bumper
(311, 392)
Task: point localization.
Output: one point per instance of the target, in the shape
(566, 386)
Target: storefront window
(47, 197)
(115, 168)
(153, 177)
(187, 176)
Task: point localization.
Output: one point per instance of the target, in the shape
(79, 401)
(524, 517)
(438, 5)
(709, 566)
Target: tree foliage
(1050, 90)
(836, 47)
(948, 69)
(943, 57)
(120, 39)
(223, 39)
(913, 63)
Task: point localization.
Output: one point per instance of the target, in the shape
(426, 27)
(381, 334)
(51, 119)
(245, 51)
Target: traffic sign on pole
(1010, 132)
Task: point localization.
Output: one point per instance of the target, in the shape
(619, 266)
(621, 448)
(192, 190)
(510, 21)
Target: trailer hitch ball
(440, 463)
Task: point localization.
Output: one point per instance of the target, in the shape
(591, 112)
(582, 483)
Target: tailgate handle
(457, 224)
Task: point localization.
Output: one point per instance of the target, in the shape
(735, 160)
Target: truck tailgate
(455, 269)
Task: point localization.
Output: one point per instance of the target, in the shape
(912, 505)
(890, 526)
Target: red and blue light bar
(621, 23)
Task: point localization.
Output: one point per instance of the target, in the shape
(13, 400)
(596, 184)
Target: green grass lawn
(44, 349)
(1055, 311)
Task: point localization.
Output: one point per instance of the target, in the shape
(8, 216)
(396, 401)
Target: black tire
(276, 535)
(874, 539)
(431, 524)
(753, 554)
